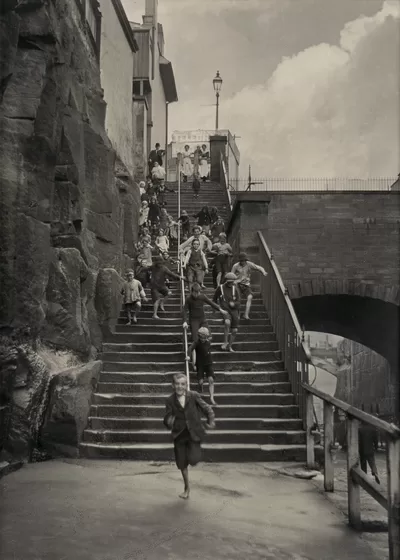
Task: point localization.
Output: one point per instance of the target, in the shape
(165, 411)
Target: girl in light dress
(187, 163)
(203, 170)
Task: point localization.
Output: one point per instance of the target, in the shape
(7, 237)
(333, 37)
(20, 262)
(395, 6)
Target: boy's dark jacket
(194, 406)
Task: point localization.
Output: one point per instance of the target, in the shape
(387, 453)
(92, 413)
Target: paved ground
(85, 510)
(373, 515)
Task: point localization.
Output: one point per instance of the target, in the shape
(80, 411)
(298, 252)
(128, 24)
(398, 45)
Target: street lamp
(217, 83)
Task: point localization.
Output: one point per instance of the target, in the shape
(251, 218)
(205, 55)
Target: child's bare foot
(224, 347)
(185, 494)
(156, 317)
(128, 323)
(231, 349)
(134, 320)
(213, 401)
(162, 308)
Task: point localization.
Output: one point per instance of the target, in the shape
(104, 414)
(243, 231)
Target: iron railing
(224, 181)
(356, 478)
(293, 184)
(295, 353)
(182, 280)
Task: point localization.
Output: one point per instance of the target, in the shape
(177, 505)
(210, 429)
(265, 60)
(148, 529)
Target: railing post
(353, 489)
(393, 472)
(309, 435)
(328, 446)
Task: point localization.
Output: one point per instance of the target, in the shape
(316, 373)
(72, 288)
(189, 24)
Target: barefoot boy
(228, 296)
(132, 291)
(183, 417)
(242, 270)
(203, 362)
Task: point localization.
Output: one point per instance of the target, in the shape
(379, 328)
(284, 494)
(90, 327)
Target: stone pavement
(85, 510)
(373, 515)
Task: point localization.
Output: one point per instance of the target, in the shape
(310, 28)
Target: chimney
(151, 13)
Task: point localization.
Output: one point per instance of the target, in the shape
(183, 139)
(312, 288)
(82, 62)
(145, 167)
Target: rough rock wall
(68, 208)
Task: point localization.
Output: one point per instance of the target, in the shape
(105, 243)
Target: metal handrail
(225, 182)
(295, 352)
(182, 281)
(356, 478)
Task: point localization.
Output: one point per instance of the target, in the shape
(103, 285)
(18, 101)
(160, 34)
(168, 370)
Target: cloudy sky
(310, 86)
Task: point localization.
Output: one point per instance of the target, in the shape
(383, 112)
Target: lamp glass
(217, 83)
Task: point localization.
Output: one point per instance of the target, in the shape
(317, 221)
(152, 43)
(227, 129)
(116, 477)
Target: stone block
(31, 269)
(108, 298)
(68, 408)
(9, 32)
(22, 96)
(103, 227)
(66, 323)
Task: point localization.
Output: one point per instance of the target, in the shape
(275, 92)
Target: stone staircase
(256, 417)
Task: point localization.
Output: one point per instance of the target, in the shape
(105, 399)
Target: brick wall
(326, 243)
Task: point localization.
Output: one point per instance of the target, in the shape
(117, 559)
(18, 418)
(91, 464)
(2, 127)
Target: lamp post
(217, 83)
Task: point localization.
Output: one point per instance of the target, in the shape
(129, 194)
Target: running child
(145, 261)
(183, 412)
(184, 220)
(228, 296)
(133, 292)
(159, 291)
(195, 264)
(200, 351)
(242, 270)
(194, 308)
(223, 252)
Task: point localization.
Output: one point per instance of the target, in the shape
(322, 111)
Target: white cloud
(327, 111)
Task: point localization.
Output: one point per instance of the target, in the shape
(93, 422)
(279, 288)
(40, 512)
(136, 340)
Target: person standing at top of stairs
(242, 270)
(227, 295)
(205, 242)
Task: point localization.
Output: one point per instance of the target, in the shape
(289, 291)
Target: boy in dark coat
(159, 290)
(203, 362)
(183, 417)
(228, 297)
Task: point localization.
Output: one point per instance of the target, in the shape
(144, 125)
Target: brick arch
(349, 287)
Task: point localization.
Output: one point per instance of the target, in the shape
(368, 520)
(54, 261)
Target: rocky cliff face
(68, 208)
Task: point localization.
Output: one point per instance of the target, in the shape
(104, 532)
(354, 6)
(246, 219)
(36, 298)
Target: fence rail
(356, 478)
(295, 353)
(312, 184)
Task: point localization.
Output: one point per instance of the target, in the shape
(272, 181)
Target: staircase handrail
(185, 329)
(295, 352)
(224, 180)
(182, 280)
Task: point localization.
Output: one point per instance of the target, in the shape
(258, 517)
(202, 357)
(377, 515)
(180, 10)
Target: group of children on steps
(208, 244)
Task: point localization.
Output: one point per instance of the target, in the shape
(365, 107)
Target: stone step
(170, 326)
(175, 336)
(262, 437)
(176, 307)
(224, 411)
(165, 315)
(145, 388)
(167, 320)
(223, 398)
(279, 424)
(274, 376)
(218, 356)
(166, 346)
(218, 453)
(178, 366)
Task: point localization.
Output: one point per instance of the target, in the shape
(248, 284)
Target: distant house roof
(168, 80)
(126, 26)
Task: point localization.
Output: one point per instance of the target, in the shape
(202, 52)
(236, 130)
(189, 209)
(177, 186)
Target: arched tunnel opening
(370, 322)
